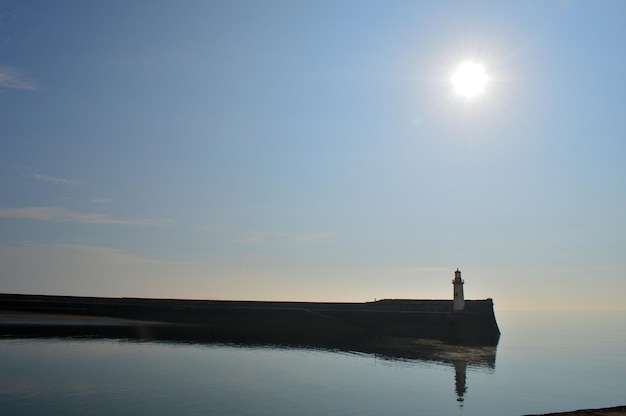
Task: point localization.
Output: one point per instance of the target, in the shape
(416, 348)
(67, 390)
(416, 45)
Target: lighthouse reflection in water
(74, 376)
(482, 359)
(546, 362)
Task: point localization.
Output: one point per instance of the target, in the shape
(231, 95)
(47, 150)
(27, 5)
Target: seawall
(281, 322)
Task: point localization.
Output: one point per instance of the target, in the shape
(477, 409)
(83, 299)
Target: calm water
(544, 362)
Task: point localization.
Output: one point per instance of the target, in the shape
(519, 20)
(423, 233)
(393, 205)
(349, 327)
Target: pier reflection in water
(425, 356)
(546, 362)
(461, 358)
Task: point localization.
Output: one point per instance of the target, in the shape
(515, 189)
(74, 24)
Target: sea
(544, 362)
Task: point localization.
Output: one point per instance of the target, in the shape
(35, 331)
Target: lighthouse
(458, 302)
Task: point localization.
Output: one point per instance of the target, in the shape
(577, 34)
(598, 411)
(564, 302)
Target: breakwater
(312, 323)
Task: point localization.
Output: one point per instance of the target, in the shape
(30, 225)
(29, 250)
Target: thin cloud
(101, 200)
(64, 215)
(11, 78)
(57, 181)
(112, 253)
(425, 269)
(314, 237)
(285, 238)
(59, 268)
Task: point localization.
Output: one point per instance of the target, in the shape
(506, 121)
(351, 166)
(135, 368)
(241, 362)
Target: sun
(469, 80)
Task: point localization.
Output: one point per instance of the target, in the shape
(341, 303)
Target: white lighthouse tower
(458, 302)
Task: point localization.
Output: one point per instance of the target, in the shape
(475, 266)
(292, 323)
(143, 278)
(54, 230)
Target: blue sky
(313, 150)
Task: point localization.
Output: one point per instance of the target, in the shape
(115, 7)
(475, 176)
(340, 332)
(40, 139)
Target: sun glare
(469, 80)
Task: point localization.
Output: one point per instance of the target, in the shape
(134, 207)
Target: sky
(314, 150)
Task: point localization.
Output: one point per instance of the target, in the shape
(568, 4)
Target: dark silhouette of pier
(342, 324)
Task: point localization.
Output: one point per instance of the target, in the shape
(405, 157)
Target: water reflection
(460, 378)
(394, 350)
(461, 358)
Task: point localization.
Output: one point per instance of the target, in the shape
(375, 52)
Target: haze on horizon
(281, 150)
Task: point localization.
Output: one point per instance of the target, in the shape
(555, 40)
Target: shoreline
(604, 411)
